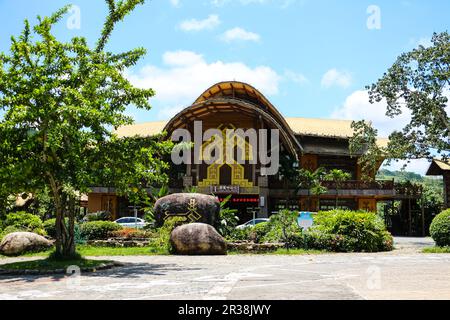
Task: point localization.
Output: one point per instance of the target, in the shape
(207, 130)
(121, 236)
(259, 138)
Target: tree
(61, 100)
(317, 190)
(312, 182)
(417, 83)
(287, 220)
(338, 177)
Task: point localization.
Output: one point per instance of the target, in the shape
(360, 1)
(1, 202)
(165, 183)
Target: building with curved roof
(303, 143)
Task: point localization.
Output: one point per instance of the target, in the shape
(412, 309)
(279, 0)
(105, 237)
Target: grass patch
(436, 250)
(299, 252)
(282, 252)
(111, 251)
(92, 251)
(51, 264)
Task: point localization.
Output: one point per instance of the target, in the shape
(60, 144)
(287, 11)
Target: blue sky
(310, 58)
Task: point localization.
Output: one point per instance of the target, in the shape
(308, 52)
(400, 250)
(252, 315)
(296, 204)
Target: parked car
(252, 223)
(131, 222)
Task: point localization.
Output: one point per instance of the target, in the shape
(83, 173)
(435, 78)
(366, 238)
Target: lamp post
(135, 211)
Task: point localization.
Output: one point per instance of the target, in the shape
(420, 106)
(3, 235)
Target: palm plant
(289, 174)
(312, 182)
(337, 177)
(228, 219)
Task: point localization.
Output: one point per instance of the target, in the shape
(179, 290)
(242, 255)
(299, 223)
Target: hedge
(440, 229)
(348, 231)
(98, 230)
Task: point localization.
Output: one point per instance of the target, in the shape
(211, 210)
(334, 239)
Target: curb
(103, 266)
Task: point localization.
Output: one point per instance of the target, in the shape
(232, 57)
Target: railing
(346, 185)
(360, 185)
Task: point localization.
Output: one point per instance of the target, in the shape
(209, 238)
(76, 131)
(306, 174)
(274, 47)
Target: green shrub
(258, 232)
(132, 233)
(440, 229)
(23, 221)
(98, 216)
(162, 241)
(293, 239)
(238, 235)
(50, 227)
(98, 230)
(348, 231)
(8, 230)
(228, 220)
(283, 228)
(79, 237)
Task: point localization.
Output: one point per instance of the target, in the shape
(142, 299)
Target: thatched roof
(437, 167)
(300, 126)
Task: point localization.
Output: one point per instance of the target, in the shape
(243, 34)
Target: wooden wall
(369, 205)
(103, 202)
(446, 177)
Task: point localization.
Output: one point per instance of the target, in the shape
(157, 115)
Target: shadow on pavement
(124, 270)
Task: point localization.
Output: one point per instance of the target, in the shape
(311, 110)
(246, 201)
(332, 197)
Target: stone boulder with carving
(197, 239)
(18, 243)
(191, 207)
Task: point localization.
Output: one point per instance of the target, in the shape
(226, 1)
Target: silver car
(252, 223)
(131, 222)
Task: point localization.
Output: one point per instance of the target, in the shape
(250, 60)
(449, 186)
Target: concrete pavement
(402, 274)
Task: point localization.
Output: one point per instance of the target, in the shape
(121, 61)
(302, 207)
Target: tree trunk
(309, 201)
(337, 199)
(65, 244)
(69, 236)
(59, 219)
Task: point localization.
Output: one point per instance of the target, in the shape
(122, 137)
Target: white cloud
(283, 3)
(357, 107)
(175, 3)
(334, 77)
(296, 77)
(197, 25)
(220, 3)
(182, 58)
(185, 74)
(169, 112)
(239, 34)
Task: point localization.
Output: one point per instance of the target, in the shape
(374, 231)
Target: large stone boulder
(197, 239)
(18, 243)
(191, 207)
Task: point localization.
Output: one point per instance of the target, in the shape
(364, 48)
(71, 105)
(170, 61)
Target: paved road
(402, 274)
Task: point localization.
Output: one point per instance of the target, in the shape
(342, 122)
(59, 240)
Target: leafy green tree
(418, 83)
(317, 190)
(312, 182)
(338, 177)
(60, 102)
(287, 221)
